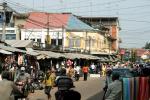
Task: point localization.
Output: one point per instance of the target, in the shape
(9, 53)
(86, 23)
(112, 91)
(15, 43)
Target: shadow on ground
(98, 96)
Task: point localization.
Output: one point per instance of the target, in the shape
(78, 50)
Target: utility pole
(47, 36)
(63, 38)
(4, 21)
(89, 44)
(85, 40)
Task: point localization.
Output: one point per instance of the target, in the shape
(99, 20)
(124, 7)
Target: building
(62, 31)
(109, 26)
(7, 29)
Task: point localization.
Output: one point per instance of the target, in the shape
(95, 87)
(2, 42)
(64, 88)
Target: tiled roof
(40, 20)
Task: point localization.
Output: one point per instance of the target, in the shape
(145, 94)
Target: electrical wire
(88, 5)
(77, 2)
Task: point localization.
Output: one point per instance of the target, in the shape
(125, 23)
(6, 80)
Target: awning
(50, 54)
(12, 49)
(32, 52)
(5, 52)
(20, 43)
(80, 56)
(41, 57)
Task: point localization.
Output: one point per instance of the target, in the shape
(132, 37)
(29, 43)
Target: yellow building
(86, 41)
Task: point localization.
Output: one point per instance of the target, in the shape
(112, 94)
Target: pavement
(92, 89)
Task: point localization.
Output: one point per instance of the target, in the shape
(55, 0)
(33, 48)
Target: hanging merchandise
(20, 59)
(69, 62)
(137, 88)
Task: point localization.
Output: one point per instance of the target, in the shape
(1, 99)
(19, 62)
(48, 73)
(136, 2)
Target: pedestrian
(77, 72)
(104, 70)
(114, 91)
(93, 67)
(8, 88)
(85, 70)
(48, 81)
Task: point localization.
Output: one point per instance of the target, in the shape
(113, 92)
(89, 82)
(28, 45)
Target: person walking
(85, 70)
(114, 91)
(77, 72)
(8, 88)
(103, 69)
(48, 81)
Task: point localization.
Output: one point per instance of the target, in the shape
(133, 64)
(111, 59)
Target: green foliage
(147, 46)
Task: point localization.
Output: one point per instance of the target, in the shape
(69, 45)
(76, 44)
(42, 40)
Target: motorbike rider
(23, 76)
(22, 81)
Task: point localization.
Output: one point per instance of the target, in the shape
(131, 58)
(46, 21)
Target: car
(123, 72)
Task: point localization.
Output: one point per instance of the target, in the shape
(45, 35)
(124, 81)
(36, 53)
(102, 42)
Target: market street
(90, 90)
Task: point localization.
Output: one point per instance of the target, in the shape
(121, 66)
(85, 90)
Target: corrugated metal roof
(20, 43)
(50, 54)
(12, 49)
(76, 24)
(80, 56)
(5, 52)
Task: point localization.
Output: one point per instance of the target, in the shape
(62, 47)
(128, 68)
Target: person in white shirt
(93, 68)
(77, 72)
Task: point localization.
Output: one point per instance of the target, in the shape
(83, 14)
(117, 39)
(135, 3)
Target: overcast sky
(134, 15)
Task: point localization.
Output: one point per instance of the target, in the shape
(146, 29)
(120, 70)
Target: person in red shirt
(85, 70)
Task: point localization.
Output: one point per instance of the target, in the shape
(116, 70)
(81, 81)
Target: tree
(147, 46)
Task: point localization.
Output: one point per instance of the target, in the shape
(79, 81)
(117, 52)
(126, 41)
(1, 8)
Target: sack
(47, 89)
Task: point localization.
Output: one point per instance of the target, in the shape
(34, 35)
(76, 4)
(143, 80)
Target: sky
(134, 15)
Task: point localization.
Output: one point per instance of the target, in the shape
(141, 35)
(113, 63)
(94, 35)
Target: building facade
(109, 26)
(62, 31)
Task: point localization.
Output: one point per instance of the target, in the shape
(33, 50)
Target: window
(1, 31)
(39, 40)
(53, 41)
(59, 41)
(10, 36)
(77, 43)
(74, 42)
(32, 39)
(71, 42)
(10, 31)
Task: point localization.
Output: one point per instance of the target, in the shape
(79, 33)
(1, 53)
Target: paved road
(90, 90)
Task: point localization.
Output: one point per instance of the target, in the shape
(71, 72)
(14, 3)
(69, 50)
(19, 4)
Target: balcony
(38, 45)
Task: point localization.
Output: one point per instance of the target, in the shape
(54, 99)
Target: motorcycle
(24, 87)
(76, 76)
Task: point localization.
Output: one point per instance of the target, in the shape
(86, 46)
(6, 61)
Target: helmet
(64, 83)
(31, 66)
(22, 68)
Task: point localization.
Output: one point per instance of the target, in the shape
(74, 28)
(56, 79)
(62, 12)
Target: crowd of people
(19, 78)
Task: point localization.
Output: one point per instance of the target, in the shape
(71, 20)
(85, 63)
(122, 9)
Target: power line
(140, 21)
(88, 5)
(77, 2)
(123, 8)
(20, 5)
